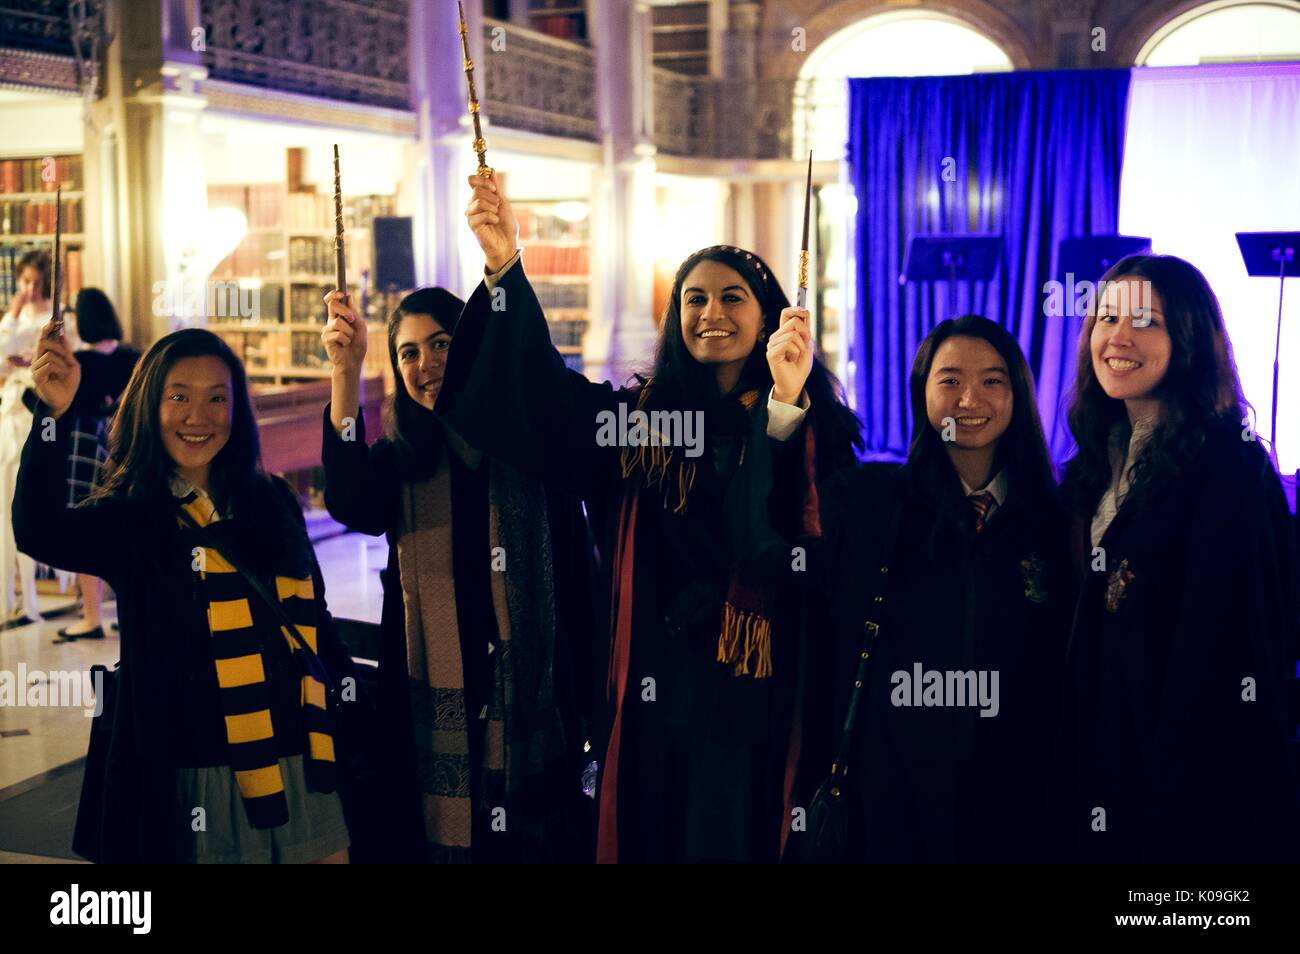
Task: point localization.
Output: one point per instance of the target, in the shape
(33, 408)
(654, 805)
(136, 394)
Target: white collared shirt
(182, 488)
(1121, 463)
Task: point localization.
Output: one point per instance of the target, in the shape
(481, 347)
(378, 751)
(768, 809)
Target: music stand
(1267, 254)
(1085, 258)
(951, 258)
(1088, 257)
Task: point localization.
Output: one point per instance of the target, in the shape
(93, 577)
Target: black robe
(363, 491)
(1199, 593)
(167, 713)
(703, 753)
(938, 784)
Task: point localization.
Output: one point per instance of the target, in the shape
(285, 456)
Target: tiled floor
(34, 740)
(51, 735)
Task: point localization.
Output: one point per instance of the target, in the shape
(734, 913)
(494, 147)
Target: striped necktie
(983, 503)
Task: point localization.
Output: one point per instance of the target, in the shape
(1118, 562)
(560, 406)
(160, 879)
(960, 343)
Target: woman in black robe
(961, 556)
(702, 657)
(1184, 644)
(485, 618)
(106, 366)
(218, 709)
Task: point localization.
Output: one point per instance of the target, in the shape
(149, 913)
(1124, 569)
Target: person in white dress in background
(30, 308)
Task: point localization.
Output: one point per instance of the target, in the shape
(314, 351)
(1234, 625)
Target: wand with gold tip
(802, 295)
(340, 272)
(480, 144)
(56, 285)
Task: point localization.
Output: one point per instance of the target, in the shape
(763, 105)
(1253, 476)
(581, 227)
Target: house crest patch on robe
(1117, 586)
(1034, 571)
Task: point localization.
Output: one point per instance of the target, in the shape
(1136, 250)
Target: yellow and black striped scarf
(241, 676)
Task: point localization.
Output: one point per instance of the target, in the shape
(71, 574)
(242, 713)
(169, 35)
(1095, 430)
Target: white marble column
(144, 149)
(623, 329)
(445, 251)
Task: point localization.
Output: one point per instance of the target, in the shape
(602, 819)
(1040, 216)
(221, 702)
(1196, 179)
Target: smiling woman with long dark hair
(220, 715)
(697, 689)
(960, 556)
(1185, 637)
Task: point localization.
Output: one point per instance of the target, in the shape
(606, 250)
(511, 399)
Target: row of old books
(559, 295)
(36, 217)
(306, 351)
(256, 349)
(311, 256)
(268, 206)
(543, 260)
(309, 211)
(41, 175)
(283, 354)
(261, 203)
(306, 210)
(567, 333)
(538, 226)
(315, 256)
(257, 256)
(562, 19)
(307, 303)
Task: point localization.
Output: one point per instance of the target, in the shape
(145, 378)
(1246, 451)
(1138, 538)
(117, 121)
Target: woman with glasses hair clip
(1184, 644)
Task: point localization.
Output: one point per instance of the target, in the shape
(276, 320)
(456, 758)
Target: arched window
(902, 43)
(1227, 32)
(898, 43)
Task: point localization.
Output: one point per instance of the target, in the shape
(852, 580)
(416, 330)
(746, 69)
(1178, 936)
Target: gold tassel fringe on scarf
(745, 642)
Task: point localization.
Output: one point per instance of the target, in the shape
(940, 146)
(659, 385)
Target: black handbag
(834, 834)
(87, 833)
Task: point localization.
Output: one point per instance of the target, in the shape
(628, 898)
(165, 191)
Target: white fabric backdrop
(1211, 151)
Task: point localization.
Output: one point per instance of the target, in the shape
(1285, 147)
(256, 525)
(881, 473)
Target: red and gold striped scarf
(745, 636)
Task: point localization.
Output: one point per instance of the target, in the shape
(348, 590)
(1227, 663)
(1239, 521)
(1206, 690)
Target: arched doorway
(1210, 147)
(901, 43)
(1224, 32)
(896, 43)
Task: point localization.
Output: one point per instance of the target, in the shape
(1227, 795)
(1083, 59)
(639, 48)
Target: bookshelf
(285, 263)
(562, 19)
(680, 37)
(557, 254)
(27, 216)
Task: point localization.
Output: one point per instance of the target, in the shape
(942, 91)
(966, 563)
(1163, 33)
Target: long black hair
(139, 468)
(1199, 389)
(682, 382)
(410, 426)
(96, 317)
(1022, 449)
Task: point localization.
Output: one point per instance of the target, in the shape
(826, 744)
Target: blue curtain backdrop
(1036, 157)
